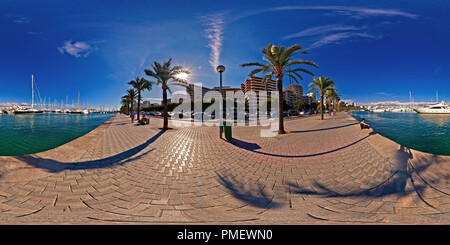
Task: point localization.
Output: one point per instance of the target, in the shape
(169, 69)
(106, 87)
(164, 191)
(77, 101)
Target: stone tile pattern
(322, 172)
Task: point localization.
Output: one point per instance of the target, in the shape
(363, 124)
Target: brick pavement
(322, 172)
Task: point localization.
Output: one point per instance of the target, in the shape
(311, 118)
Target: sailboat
(28, 110)
(78, 110)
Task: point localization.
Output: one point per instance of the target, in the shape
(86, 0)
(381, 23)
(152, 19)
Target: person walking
(132, 115)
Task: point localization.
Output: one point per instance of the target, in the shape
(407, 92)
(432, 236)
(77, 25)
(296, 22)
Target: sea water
(423, 132)
(23, 134)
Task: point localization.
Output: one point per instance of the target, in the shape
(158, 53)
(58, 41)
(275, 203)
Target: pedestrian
(132, 115)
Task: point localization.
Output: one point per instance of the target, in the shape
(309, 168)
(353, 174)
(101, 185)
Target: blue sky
(373, 50)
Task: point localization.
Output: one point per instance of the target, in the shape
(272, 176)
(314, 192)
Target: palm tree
(331, 97)
(279, 60)
(335, 98)
(131, 93)
(166, 76)
(140, 84)
(126, 102)
(337, 101)
(321, 85)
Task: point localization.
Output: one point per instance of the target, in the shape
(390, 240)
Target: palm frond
(293, 77)
(301, 62)
(252, 64)
(302, 70)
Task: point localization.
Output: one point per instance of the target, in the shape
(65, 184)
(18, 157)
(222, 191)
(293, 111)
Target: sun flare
(182, 76)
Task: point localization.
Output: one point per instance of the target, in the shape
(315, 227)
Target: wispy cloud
(340, 37)
(214, 33)
(396, 103)
(18, 19)
(323, 30)
(77, 49)
(384, 93)
(354, 12)
(152, 99)
(215, 25)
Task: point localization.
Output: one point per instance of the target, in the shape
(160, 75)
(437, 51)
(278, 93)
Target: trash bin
(227, 131)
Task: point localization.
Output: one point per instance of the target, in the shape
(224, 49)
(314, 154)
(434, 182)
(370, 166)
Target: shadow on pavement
(54, 166)
(394, 184)
(322, 129)
(253, 147)
(255, 197)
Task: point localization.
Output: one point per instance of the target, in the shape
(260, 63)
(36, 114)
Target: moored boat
(379, 110)
(28, 110)
(439, 108)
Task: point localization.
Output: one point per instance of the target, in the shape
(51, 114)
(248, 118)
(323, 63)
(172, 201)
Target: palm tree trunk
(132, 107)
(280, 106)
(321, 106)
(166, 121)
(139, 104)
(329, 107)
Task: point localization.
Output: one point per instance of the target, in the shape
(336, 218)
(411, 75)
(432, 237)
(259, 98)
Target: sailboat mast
(32, 91)
(410, 101)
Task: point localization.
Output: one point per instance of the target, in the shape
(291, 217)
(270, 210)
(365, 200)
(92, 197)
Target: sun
(182, 76)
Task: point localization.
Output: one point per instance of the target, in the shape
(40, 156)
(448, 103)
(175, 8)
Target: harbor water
(31, 133)
(423, 132)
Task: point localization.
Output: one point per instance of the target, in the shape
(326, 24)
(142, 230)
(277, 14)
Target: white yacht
(379, 110)
(439, 108)
(398, 110)
(26, 110)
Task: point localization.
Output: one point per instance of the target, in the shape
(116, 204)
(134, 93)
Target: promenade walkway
(322, 172)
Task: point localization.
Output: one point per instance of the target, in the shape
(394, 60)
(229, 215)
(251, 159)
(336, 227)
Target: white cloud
(18, 19)
(354, 12)
(340, 37)
(396, 103)
(322, 30)
(77, 49)
(152, 99)
(214, 33)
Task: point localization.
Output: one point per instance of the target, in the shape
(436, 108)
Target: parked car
(168, 114)
(292, 112)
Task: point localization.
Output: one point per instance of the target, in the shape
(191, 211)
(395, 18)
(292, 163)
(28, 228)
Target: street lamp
(220, 69)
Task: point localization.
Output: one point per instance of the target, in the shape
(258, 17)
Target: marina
(30, 133)
(208, 113)
(424, 132)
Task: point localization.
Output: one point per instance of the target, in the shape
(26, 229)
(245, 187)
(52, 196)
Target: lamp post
(220, 69)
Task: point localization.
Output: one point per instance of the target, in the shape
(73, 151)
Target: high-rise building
(295, 92)
(312, 95)
(256, 84)
(252, 84)
(295, 88)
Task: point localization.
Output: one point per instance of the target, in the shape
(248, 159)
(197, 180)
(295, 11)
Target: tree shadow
(322, 129)
(253, 147)
(54, 166)
(244, 145)
(394, 184)
(255, 197)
